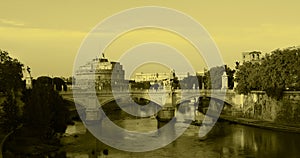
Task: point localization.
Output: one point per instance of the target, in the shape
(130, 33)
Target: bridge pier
(186, 112)
(169, 109)
(92, 112)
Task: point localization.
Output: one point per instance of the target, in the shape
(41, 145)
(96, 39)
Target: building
(193, 81)
(153, 77)
(200, 73)
(101, 73)
(182, 75)
(254, 56)
(162, 80)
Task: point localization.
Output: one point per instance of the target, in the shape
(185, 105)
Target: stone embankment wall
(258, 105)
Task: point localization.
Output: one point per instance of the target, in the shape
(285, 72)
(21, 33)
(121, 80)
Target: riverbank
(25, 142)
(294, 128)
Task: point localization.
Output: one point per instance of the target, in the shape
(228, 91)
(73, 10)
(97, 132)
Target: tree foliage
(10, 73)
(175, 82)
(213, 77)
(10, 84)
(45, 109)
(190, 82)
(12, 115)
(59, 84)
(141, 85)
(247, 77)
(277, 71)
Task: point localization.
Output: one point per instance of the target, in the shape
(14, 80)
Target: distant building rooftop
(254, 56)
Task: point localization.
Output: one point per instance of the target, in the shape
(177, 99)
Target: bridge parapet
(166, 98)
(161, 97)
(158, 96)
(225, 95)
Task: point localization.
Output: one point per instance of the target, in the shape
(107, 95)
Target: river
(229, 140)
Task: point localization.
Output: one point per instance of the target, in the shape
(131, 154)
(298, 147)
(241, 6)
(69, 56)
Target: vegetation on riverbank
(40, 110)
(275, 73)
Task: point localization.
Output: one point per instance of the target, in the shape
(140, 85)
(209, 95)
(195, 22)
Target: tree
(12, 115)
(141, 85)
(277, 71)
(10, 73)
(45, 109)
(189, 82)
(213, 78)
(59, 84)
(70, 80)
(200, 81)
(281, 72)
(248, 77)
(10, 84)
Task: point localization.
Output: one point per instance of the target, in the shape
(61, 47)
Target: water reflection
(261, 143)
(227, 140)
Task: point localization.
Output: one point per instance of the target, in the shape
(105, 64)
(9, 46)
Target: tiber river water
(229, 140)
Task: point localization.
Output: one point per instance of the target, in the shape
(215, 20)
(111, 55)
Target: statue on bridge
(224, 81)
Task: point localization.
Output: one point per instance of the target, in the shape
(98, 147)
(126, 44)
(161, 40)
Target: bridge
(168, 100)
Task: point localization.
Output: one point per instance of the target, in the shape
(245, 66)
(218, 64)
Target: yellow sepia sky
(46, 35)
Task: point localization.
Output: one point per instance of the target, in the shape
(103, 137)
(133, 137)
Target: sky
(47, 35)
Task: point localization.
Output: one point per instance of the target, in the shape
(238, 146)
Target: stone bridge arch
(229, 100)
(228, 97)
(227, 104)
(166, 99)
(129, 108)
(196, 98)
